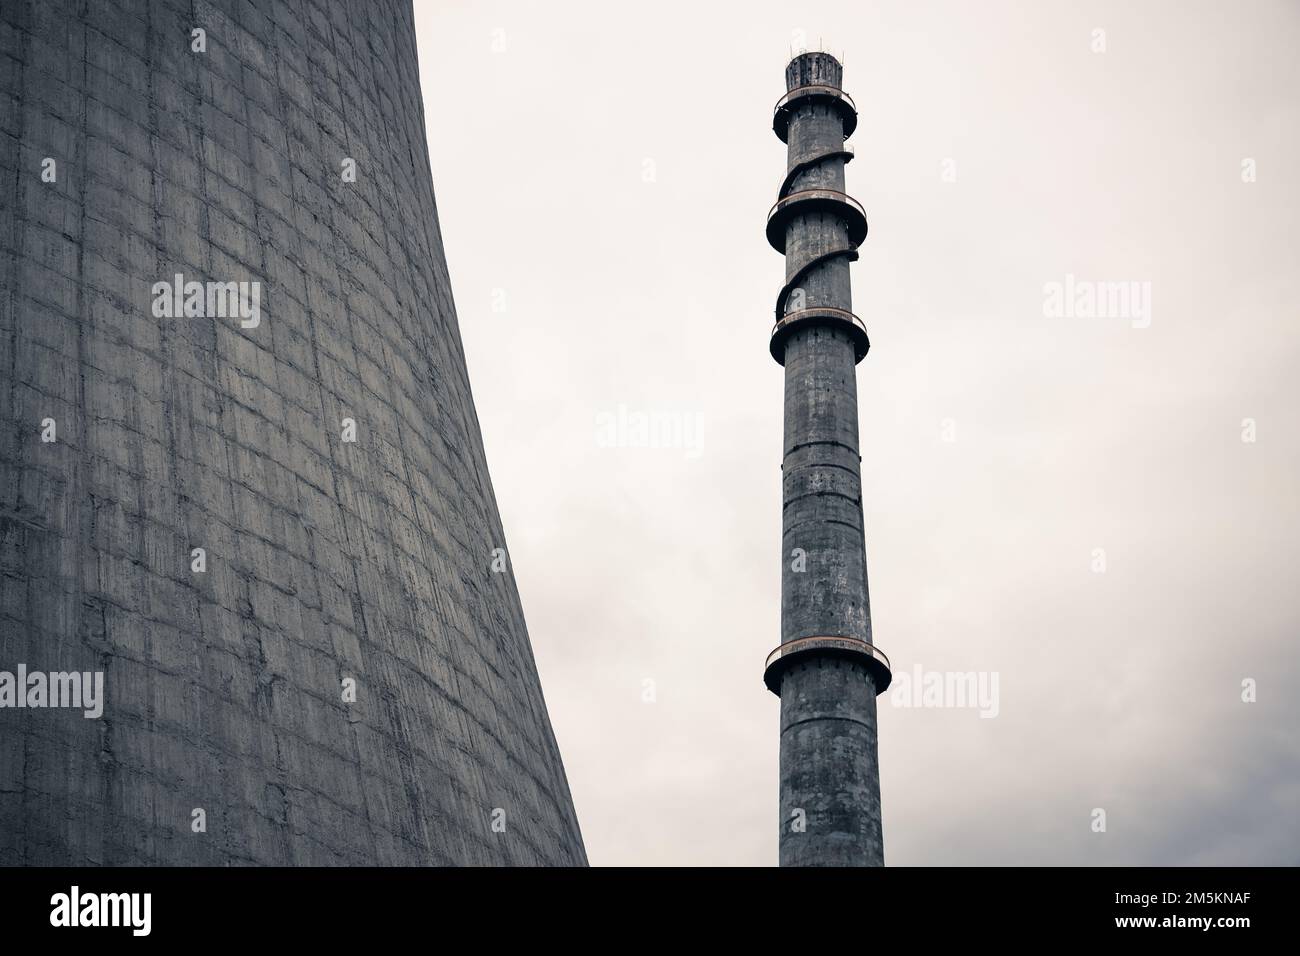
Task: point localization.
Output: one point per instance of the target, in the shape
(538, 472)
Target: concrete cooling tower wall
(243, 484)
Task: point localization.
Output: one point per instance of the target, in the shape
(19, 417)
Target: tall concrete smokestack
(826, 671)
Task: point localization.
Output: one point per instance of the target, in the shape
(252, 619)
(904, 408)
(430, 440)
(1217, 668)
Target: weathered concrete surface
(828, 731)
(326, 560)
(829, 767)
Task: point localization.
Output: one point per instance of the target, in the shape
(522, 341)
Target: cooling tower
(243, 480)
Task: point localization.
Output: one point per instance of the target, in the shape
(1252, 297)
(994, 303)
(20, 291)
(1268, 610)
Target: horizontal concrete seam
(820, 494)
(828, 464)
(825, 441)
(809, 720)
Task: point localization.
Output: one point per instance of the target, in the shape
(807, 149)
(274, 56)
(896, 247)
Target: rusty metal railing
(805, 195)
(819, 312)
(855, 217)
(829, 643)
(781, 112)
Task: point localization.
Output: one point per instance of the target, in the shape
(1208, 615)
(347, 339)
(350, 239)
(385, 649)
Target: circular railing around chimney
(849, 648)
(822, 315)
(830, 94)
(816, 200)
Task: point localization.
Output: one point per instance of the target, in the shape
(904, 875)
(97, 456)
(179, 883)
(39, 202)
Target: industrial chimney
(827, 670)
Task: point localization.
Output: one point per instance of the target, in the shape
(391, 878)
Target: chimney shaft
(826, 671)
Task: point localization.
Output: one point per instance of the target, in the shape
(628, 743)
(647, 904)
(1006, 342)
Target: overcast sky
(603, 172)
